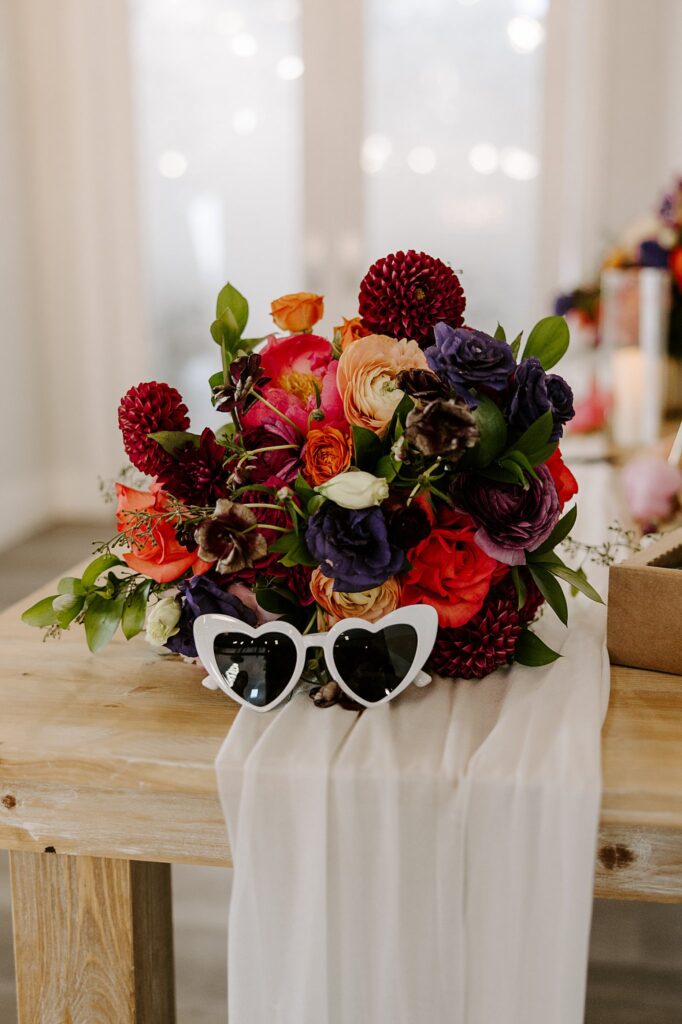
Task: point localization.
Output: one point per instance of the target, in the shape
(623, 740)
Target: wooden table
(106, 778)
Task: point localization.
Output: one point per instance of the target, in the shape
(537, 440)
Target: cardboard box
(645, 608)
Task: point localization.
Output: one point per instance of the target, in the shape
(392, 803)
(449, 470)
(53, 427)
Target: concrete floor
(636, 949)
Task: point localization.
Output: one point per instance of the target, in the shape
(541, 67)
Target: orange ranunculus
(366, 378)
(371, 605)
(297, 312)
(349, 331)
(327, 452)
(449, 571)
(154, 549)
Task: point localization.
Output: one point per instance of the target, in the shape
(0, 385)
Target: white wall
(23, 456)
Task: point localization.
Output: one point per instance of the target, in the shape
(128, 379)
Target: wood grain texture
(93, 940)
(112, 755)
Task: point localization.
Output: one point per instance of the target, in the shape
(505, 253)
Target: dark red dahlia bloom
(144, 410)
(406, 294)
(198, 474)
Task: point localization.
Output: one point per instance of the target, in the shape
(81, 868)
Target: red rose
(155, 551)
(564, 481)
(449, 571)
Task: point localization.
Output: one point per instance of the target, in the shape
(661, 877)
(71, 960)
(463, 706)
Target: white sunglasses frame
(422, 617)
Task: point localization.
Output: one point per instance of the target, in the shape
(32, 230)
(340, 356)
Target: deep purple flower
(282, 463)
(652, 254)
(510, 520)
(536, 392)
(470, 359)
(200, 596)
(352, 547)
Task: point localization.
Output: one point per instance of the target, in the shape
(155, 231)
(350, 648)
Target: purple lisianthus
(470, 359)
(536, 392)
(652, 254)
(352, 547)
(200, 596)
(511, 520)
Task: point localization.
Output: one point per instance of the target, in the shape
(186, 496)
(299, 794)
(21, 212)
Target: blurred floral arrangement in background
(408, 459)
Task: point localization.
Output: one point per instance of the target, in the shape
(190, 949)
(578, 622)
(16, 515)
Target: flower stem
(279, 413)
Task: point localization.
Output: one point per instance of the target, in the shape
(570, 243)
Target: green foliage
(548, 341)
(231, 299)
(520, 586)
(551, 590)
(536, 437)
(388, 467)
(67, 607)
(492, 430)
(500, 333)
(516, 344)
(293, 549)
(533, 651)
(97, 567)
(135, 610)
(367, 448)
(559, 533)
(101, 619)
(173, 440)
(41, 613)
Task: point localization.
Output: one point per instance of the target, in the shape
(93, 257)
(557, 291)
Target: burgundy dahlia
(144, 410)
(487, 641)
(405, 294)
(198, 474)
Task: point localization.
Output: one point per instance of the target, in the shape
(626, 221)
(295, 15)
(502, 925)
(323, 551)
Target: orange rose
(366, 378)
(368, 604)
(297, 312)
(326, 453)
(349, 331)
(155, 551)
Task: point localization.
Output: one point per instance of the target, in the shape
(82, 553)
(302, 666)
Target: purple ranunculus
(201, 596)
(536, 392)
(470, 359)
(352, 547)
(511, 520)
(282, 463)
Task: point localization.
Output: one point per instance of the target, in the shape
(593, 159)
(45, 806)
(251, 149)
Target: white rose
(355, 489)
(162, 621)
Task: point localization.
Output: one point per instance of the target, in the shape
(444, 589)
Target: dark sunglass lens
(372, 665)
(257, 669)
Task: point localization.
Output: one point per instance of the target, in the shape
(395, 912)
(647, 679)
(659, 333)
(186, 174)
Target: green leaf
(216, 380)
(520, 586)
(499, 333)
(367, 448)
(135, 609)
(521, 460)
(97, 567)
(540, 456)
(533, 651)
(225, 434)
(293, 549)
(559, 533)
(303, 489)
(70, 585)
(516, 471)
(388, 467)
(516, 344)
(101, 620)
(41, 613)
(576, 579)
(500, 475)
(492, 428)
(536, 436)
(225, 330)
(548, 341)
(231, 299)
(551, 590)
(68, 606)
(172, 440)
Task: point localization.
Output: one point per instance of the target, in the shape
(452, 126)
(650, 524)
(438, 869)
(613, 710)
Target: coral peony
(449, 571)
(367, 379)
(297, 312)
(154, 548)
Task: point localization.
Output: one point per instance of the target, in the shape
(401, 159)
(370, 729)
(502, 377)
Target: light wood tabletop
(109, 757)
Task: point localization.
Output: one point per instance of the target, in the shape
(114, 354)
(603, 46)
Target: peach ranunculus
(367, 378)
(154, 548)
(327, 452)
(299, 366)
(297, 312)
(371, 605)
(349, 331)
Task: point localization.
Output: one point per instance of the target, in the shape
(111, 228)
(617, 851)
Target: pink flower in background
(651, 487)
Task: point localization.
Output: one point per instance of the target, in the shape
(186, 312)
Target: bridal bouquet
(409, 460)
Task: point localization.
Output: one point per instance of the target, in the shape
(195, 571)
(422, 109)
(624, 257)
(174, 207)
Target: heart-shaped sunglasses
(371, 662)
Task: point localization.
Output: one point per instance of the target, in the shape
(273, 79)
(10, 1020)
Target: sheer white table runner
(428, 862)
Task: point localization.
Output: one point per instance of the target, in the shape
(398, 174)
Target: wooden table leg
(93, 940)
